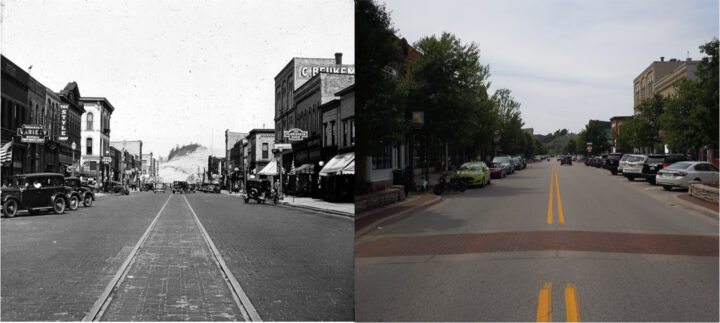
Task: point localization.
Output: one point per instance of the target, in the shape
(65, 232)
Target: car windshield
(614, 157)
(472, 166)
(497, 165)
(679, 166)
(18, 182)
(501, 159)
(656, 159)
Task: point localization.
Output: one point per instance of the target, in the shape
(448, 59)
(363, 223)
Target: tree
(449, 83)
(626, 138)
(648, 121)
(509, 121)
(594, 132)
(708, 74)
(380, 103)
(570, 147)
(540, 148)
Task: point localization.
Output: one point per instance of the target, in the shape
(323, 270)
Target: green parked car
(474, 173)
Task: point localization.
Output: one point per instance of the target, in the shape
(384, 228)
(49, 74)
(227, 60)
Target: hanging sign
(295, 134)
(63, 122)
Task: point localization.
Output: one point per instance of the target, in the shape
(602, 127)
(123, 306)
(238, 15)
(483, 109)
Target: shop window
(88, 146)
(383, 160)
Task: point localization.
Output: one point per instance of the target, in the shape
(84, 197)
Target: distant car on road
(36, 192)
(681, 173)
(474, 173)
(566, 160)
(517, 162)
(612, 162)
(507, 162)
(657, 162)
(497, 170)
(179, 187)
(633, 166)
(159, 187)
(119, 188)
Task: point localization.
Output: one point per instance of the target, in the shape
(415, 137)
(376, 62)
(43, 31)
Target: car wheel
(87, 201)
(482, 183)
(461, 187)
(10, 208)
(631, 178)
(614, 172)
(651, 181)
(74, 203)
(667, 187)
(59, 205)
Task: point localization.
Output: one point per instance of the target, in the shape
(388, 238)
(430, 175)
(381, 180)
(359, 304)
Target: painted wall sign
(310, 71)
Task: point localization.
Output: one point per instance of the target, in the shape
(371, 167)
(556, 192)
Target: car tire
(59, 205)
(651, 181)
(630, 178)
(462, 187)
(87, 201)
(667, 187)
(74, 203)
(9, 208)
(614, 172)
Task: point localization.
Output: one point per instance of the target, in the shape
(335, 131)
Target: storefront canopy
(343, 164)
(270, 169)
(305, 169)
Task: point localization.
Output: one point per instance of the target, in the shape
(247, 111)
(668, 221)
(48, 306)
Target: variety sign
(63, 122)
(32, 133)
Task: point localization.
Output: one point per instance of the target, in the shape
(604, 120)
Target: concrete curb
(397, 216)
(710, 213)
(316, 209)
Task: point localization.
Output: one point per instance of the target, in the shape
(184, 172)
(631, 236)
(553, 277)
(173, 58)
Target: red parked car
(497, 170)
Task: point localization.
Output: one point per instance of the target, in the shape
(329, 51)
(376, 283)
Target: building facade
(660, 76)
(232, 155)
(68, 131)
(260, 143)
(95, 141)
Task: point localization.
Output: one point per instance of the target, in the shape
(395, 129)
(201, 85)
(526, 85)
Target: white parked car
(680, 173)
(633, 166)
(623, 162)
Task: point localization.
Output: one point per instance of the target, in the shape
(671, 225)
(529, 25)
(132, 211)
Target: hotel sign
(295, 134)
(32, 133)
(63, 122)
(310, 71)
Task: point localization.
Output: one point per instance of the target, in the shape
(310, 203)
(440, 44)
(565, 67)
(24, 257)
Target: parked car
(633, 166)
(507, 162)
(119, 188)
(86, 194)
(612, 162)
(517, 162)
(179, 187)
(192, 188)
(473, 173)
(566, 160)
(681, 173)
(656, 162)
(537, 159)
(497, 170)
(622, 162)
(36, 192)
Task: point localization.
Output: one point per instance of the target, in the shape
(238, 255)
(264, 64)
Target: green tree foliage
(540, 147)
(509, 122)
(571, 147)
(182, 150)
(449, 83)
(380, 103)
(594, 132)
(648, 119)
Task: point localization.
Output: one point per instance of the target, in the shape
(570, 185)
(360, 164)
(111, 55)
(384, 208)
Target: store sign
(418, 119)
(63, 122)
(310, 71)
(282, 147)
(295, 134)
(32, 133)
(107, 160)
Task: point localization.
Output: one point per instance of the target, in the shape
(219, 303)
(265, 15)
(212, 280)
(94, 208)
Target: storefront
(337, 178)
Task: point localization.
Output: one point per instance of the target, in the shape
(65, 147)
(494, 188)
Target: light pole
(73, 146)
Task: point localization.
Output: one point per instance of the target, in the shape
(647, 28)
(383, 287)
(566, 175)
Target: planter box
(704, 192)
(373, 200)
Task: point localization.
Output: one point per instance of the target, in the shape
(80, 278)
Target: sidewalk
(308, 203)
(368, 221)
(710, 209)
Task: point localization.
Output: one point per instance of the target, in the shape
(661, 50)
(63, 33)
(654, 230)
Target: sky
(565, 61)
(176, 71)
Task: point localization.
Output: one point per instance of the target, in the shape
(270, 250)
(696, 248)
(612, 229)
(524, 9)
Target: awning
(343, 164)
(305, 169)
(270, 169)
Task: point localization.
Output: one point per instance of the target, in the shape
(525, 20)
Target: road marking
(550, 201)
(571, 303)
(97, 310)
(544, 311)
(561, 216)
(241, 299)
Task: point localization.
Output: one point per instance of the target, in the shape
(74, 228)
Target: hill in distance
(184, 163)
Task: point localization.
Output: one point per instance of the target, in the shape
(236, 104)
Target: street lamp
(73, 146)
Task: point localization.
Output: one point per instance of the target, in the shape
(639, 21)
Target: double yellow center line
(572, 310)
(561, 216)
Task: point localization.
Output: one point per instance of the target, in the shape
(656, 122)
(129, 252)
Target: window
(332, 130)
(382, 161)
(352, 132)
(345, 133)
(88, 146)
(89, 122)
(265, 150)
(325, 134)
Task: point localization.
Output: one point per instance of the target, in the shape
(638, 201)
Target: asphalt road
(292, 264)
(623, 252)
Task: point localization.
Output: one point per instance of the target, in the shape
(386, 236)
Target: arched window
(88, 146)
(89, 122)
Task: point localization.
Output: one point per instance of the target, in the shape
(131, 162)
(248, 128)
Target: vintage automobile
(192, 188)
(259, 190)
(86, 194)
(36, 192)
(159, 187)
(179, 187)
(119, 188)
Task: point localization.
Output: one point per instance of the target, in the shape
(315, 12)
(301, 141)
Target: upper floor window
(265, 150)
(89, 121)
(88, 146)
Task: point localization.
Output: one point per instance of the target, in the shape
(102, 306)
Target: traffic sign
(589, 148)
(589, 143)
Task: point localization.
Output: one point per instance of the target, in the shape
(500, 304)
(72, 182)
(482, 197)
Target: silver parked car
(633, 166)
(680, 173)
(507, 162)
(623, 162)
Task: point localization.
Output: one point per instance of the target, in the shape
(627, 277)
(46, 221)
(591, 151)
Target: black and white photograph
(177, 160)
